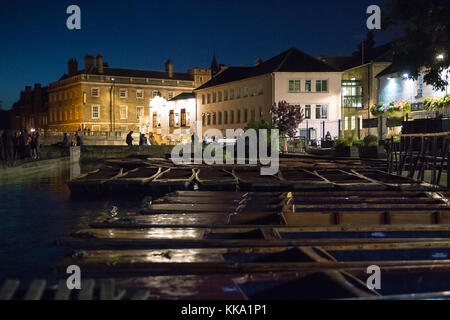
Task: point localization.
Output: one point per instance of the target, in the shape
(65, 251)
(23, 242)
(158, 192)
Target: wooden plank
(62, 292)
(361, 206)
(141, 295)
(219, 243)
(87, 290)
(36, 289)
(107, 289)
(9, 289)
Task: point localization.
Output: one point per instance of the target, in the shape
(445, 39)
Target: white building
(237, 96)
(395, 85)
(173, 120)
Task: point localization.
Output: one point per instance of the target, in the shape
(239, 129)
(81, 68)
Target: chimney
(258, 62)
(169, 68)
(72, 66)
(100, 63)
(88, 62)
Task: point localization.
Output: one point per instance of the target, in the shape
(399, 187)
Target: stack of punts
(216, 179)
(250, 178)
(348, 180)
(173, 179)
(94, 182)
(134, 180)
(363, 208)
(127, 163)
(298, 178)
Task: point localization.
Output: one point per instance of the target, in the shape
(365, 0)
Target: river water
(37, 209)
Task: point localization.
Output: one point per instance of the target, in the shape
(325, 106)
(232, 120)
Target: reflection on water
(35, 210)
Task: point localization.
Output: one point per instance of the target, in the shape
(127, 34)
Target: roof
(120, 72)
(292, 60)
(184, 96)
(341, 63)
(389, 70)
(377, 54)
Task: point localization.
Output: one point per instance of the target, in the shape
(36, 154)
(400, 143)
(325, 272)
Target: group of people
(143, 141)
(19, 145)
(65, 143)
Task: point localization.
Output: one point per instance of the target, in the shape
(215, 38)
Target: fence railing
(416, 153)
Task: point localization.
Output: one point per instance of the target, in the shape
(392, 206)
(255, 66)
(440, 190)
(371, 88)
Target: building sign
(370, 123)
(394, 122)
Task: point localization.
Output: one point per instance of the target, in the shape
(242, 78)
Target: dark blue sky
(35, 43)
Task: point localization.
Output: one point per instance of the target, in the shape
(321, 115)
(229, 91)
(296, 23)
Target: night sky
(36, 44)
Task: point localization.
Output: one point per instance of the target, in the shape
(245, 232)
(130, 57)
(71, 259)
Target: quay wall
(89, 153)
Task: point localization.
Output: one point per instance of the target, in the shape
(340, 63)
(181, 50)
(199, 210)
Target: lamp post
(111, 109)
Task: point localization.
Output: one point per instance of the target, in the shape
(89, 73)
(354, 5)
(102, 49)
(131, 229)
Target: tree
(287, 118)
(369, 44)
(424, 44)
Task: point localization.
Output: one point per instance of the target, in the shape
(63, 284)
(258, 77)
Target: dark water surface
(37, 209)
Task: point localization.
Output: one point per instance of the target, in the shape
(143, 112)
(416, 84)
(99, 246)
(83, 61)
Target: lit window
(321, 111)
(123, 112)
(321, 85)
(308, 111)
(353, 123)
(139, 112)
(308, 86)
(346, 123)
(95, 112)
(294, 85)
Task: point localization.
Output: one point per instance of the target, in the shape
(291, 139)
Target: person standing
(129, 139)
(79, 140)
(38, 146)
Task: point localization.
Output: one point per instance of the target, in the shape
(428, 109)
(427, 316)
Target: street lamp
(111, 109)
(440, 57)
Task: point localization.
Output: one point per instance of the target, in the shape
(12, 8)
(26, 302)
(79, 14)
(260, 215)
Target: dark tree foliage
(369, 44)
(425, 34)
(287, 118)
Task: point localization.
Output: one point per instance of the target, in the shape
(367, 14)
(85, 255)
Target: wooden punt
(181, 237)
(349, 181)
(300, 179)
(250, 178)
(127, 163)
(394, 181)
(41, 289)
(94, 182)
(173, 179)
(133, 181)
(216, 179)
